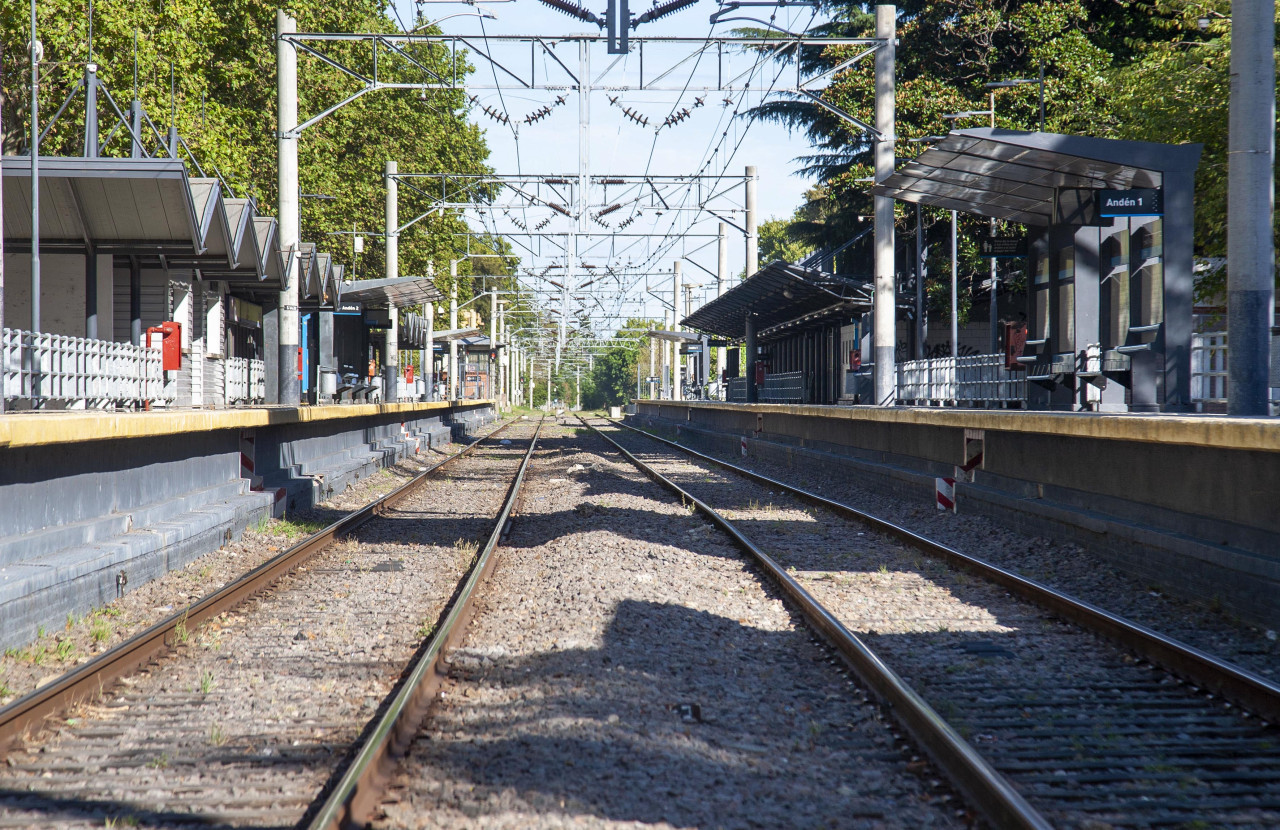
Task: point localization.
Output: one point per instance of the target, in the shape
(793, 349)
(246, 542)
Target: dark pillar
(90, 293)
(271, 349)
(135, 301)
(1179, 285)
(749, 360)
(1088, 334)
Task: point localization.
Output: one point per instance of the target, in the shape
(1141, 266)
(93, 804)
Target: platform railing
(1209, 368)
(974, 381)
(782, 387)
(40, 369)
(246, 381)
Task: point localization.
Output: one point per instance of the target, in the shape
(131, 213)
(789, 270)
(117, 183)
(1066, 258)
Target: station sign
(1002, 247)
(349, 307)
(652, 379)
(1139, 202)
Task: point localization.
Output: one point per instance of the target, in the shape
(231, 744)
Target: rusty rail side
(967, 770)
(358, 793)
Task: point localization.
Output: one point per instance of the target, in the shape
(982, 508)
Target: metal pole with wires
(884, 335)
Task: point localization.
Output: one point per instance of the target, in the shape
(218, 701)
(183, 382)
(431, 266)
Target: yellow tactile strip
(33, 429)
(1215, 431)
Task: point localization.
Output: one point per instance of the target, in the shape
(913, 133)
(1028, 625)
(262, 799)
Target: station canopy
(776, 294)
(397, 291)
(1015, 175)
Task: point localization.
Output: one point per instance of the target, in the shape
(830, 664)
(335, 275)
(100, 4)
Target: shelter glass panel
(1040, 287)
(1064, 315)
(1115, 289)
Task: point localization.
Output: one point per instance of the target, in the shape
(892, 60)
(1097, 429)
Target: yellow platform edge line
(36, 429)
(1213, 431)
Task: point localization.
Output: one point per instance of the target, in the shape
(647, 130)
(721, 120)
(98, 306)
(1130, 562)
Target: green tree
(222, 57)
(1177, 89)
(777, 243)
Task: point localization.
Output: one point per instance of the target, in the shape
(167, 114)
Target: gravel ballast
(249, 717)
(626, 667)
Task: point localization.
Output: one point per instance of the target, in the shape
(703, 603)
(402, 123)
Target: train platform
(1184, 501)
(93, 504)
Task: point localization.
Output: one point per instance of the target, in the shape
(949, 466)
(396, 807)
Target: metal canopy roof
(675, 336)
(122, 205)
(398, 291)
(453, 334)
(1013, 175)
(775, 294)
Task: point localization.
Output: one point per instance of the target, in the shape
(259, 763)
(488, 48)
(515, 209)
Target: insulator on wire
(542, 224)
(660, 10)
(574, 10)
(609, 209)
(560, 208)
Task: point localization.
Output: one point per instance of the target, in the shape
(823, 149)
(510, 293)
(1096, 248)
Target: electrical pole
(884, 334)
(922, 323)
(722, 284)
(290, 219)
(35, 185)
(453, 334)
(677, 294)
(1250, 203)
(493, 342)
(391, 371)
(753, 237)
(995, 277)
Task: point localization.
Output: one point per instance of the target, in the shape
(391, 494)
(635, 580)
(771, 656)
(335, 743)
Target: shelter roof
(122, 205)
(1014, 175)
(399, 291)
(453, 334)
(775, 294)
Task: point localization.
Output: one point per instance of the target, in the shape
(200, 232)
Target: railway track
(239, 709)
(1015, 678)
(625, 665)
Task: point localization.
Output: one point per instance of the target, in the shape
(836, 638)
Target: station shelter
(1108, 255)
(133, 250)
(799, 330)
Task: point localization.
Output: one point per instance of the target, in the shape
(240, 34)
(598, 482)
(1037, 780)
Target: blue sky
(617, 144)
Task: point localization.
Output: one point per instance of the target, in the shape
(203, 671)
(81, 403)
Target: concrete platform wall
(1185, 503)
(95, 505)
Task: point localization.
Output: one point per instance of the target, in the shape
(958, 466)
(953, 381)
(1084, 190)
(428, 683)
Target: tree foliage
(222, 56)
(612, 380)
(1131, 69)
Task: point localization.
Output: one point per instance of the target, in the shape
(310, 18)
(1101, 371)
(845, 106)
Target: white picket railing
(974, 380)
(246, 380)
(1209, 367)
(75, 372)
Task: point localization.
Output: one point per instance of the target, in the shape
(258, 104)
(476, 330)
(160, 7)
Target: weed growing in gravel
(180, 632)
(426, 629)
(297, 528)
(160, 761)
(123, 821)
(100, 629)
(884, 569)
(5, 690)
(466, 549)
(65, 650)
(206, 682)
(217, 735)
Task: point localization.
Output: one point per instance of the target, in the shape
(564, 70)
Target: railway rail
(1142, 730)
(249, 718)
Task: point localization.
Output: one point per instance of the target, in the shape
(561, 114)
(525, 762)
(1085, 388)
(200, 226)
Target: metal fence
(1209, 367)
(975, 380)
(246, 380)
(783, 387)
(736, 390)
(75, 372)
